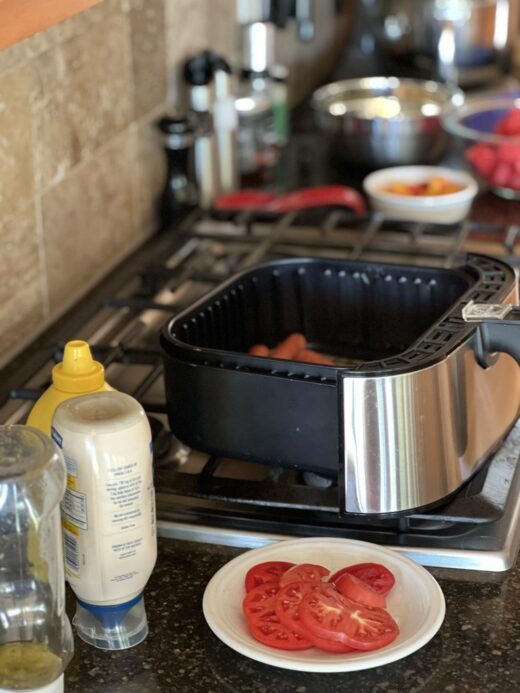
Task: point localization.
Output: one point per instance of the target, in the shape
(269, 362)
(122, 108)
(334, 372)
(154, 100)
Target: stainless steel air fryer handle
(498, 326)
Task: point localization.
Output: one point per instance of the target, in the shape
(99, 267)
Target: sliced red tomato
(263, 623)
(287, 603)
(376, 575)
(277, 635)
(352, 587)
(260, 600)
(327, 614)
(265, 572)
(304, 572)
(330, 645)
(338, 574)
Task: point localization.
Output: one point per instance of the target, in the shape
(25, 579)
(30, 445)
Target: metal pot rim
(453, 95)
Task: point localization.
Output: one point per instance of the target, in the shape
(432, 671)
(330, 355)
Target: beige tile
(12, 57)
(114, 177)
(148, 54)
(82, 96)
(223, 30)
(88, 221)
(149, 178)
(186, 35)
(16, 163)
(79, 23)
(25, 50)
(188, 27)
(34, 46)
(57, 146)
(21, 298)
(96, 71)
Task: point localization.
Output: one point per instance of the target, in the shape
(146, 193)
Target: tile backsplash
(80, 162)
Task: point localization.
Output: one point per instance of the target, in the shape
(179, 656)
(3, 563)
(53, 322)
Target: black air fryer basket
(370, 318)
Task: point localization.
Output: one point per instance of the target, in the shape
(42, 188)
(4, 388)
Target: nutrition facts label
(74, 508)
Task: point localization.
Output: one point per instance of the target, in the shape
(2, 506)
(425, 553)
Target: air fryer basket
(372, 318)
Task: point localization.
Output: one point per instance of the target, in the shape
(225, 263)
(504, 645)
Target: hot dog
(290, 346)
(259, 350)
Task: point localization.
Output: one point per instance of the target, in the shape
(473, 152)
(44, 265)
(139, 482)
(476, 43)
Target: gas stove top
(200, 497)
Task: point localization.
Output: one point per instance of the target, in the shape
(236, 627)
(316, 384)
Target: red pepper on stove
(305, 198)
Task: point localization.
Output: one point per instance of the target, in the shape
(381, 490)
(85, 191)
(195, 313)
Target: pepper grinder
(180, 192)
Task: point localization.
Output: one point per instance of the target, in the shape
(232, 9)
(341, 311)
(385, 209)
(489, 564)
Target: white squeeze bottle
(108, 515)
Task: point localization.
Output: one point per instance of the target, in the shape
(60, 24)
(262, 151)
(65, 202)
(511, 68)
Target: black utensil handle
(498, 327)
(503, 335)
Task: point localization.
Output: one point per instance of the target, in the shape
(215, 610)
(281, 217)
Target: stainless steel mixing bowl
(386, 121)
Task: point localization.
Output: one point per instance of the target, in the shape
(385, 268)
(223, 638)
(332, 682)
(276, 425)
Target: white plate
(416, 602)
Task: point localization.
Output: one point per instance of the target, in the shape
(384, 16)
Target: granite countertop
(477, 648)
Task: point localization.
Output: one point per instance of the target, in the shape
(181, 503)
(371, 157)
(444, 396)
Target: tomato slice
(287, 604)
(376, 575)
(260, 600)
(277, 635)
(337, 575)
(330, 645)
(327, 614)
(352, 587)
(304, 572)
(265, 572)
(263, 623)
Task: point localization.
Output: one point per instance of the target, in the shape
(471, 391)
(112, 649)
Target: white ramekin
(438, 209)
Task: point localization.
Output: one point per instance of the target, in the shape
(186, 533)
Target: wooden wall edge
(22, 18)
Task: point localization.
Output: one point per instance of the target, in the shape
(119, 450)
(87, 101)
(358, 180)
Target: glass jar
(35, 634)
(258, 146)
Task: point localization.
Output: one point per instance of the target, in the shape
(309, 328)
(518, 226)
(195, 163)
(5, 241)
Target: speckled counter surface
(477, 649)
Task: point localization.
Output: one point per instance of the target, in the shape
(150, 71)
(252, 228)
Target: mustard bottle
(78, 374)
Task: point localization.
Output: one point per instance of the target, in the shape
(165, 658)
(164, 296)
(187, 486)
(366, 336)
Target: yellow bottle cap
(78, 372)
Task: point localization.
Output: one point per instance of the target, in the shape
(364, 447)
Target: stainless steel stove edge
(433, 557)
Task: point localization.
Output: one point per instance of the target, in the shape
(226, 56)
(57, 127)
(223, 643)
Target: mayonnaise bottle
(108, 515)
